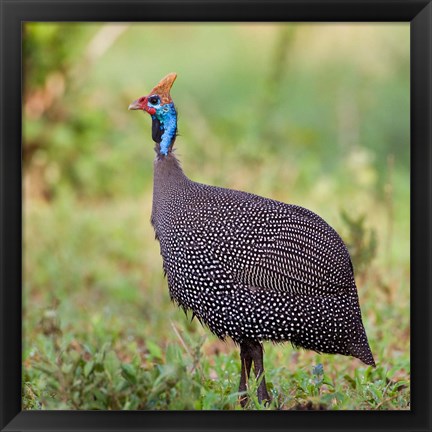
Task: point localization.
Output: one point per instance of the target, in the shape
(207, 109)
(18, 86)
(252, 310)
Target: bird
(249, 268)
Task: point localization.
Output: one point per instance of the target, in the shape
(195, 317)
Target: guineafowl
(249, 268)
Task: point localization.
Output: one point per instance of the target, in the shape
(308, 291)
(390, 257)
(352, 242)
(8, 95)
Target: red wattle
(150, 110)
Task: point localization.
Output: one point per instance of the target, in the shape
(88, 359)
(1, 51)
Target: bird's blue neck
(164, 128)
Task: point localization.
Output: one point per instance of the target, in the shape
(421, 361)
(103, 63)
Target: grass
(101, 333)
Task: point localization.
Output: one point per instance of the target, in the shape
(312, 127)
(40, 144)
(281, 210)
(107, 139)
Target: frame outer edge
(10, 264)
(421, 207)
(11, 216)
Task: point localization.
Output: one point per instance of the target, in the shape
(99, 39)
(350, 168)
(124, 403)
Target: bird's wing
(292, 250)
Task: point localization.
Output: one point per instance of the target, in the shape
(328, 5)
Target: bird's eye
(154, 100)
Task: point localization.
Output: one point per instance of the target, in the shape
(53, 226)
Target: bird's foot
(263, 395)
(244, 399)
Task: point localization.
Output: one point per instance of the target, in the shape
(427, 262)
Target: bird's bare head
(156, 100)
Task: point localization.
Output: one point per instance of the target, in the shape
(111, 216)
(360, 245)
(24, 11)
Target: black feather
(157, 130)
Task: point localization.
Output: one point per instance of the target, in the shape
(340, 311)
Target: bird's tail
(359, 347)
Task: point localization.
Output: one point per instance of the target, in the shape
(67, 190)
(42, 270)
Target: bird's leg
(252, 352)
(257, 357)
(246, 363)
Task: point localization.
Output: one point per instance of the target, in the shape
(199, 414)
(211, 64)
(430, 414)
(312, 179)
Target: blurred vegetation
(316, 115)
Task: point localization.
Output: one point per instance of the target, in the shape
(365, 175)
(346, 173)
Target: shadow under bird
(249, 268)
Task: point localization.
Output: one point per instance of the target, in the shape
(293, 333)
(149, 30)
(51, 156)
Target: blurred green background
(311, 114)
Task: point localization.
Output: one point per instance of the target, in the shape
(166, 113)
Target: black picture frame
(14, 12)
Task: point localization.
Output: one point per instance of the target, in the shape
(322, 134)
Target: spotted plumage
(251, 268)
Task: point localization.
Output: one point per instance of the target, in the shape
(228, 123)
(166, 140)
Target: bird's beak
(135, 105)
